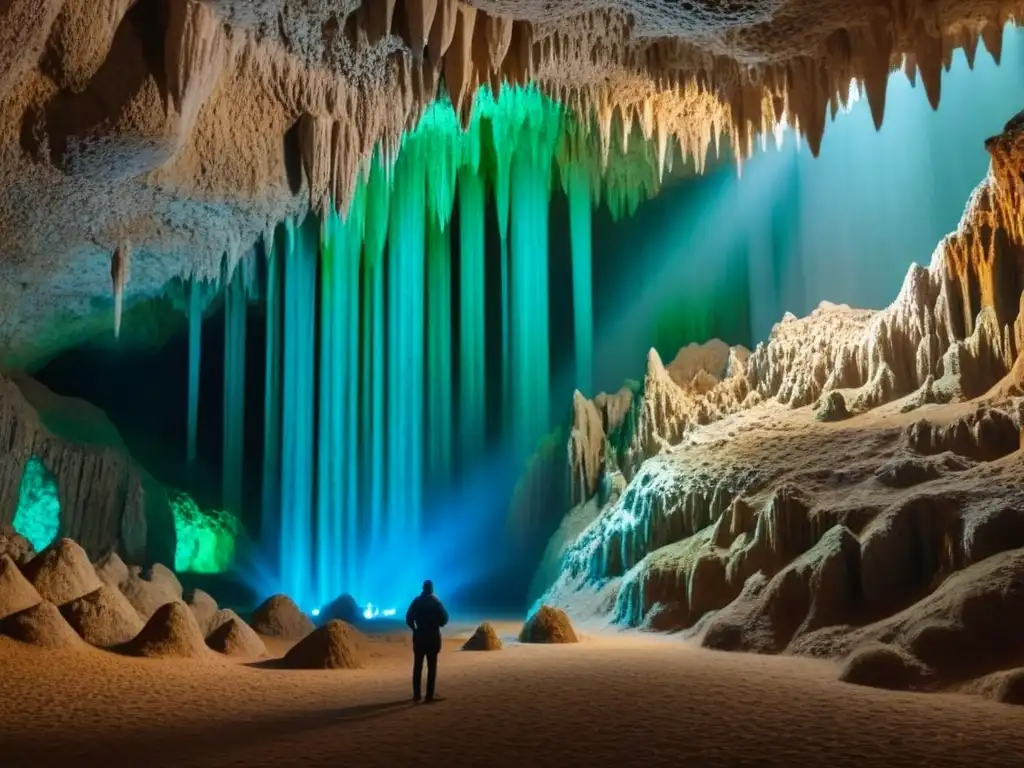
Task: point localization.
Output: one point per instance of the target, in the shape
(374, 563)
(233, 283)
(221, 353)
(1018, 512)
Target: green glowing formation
(206, 538)
(37, 517)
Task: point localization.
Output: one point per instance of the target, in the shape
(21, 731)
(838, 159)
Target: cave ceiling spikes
(180, 131)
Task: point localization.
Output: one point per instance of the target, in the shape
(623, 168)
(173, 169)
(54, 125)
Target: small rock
(548, 625)
(336, 645)
(16, 593)
(237, 639)
(103, 618)
(171, 633)
(41, 626)
(279, 616)
(62, 573)
(484, 639)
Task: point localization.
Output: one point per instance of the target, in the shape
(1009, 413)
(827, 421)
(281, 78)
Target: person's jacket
(425, 617)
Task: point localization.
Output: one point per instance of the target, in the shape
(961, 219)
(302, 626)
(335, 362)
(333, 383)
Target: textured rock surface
(279, 616)
(237, 639)
(172, 632)
(15, 546)
(548, 625)
(485, 638)
(108, 502)
(335, 645)
(16, 593)
(42, 626)
(203, 607)
(103, 618)
(162, 135)
(147, 596)
(62, 573)
(854, 480)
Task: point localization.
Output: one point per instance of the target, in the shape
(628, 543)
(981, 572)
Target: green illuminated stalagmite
(37, 516)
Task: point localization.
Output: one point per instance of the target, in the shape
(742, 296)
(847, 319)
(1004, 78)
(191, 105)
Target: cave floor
(624, 698)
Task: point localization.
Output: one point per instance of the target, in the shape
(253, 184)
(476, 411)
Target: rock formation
(103, 618)
(237, 639)
(172, 632)
(548, 625)
(483, 639)
(149, 594)
(16, 593)
(279, 616)
(41, 626)
(277, 105)
(852, 481)
(335, 645)
(108, 503)
(203, 607)
(15, 546)
(62, 573)
(344, 608)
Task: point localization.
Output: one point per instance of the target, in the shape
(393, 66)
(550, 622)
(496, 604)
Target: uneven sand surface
(611, 699)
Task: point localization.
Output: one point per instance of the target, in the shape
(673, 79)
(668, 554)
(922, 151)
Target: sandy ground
(612, 699)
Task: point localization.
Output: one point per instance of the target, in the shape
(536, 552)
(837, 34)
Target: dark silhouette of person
(425, 617)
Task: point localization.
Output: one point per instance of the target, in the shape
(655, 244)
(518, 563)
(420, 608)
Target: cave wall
(108, 502)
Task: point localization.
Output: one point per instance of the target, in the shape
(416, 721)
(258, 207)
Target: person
(425, 617)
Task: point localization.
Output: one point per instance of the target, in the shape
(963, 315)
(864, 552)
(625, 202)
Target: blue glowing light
(372, 611)
(315, 612)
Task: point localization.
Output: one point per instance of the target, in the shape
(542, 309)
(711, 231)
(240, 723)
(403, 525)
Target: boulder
(279, 616)
(62, 573)
(172, 632)
(878, 665)
(344, 608)
(103, 618)
(221, 617)
(1011, 689)
(15, 546)
(548, 625)
(335, 645)
(203, 607)
(111, 569)
(147, 596)
(16, 593)
(237, 639)
(484, 639)
(41, 626)
(161, 574)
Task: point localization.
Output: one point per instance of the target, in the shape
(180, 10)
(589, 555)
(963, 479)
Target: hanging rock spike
(379, 14)
(443, 30)
(120, 268)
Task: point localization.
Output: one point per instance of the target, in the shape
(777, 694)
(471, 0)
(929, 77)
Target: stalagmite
(195, 348)
(472, 315)
(235, 306)
(120, 271)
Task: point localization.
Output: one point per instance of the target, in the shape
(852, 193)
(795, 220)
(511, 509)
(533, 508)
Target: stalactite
(439, 346)
(378, 197)
(577, 186)
(233, 440)
(406, 264)
(120, 270)
(195, 350)
(275, 256)
(472, 318)
(530, 185)
(297, 409)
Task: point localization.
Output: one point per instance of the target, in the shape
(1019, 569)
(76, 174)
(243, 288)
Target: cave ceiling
(158, 129)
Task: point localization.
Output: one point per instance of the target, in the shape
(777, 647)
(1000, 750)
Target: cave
(670, 350)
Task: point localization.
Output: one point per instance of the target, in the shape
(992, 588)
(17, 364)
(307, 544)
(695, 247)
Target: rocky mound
(15, 546)
(161, 574)
(343, 608)
(16, 593)
(548, 625)
(221, 617)
(203, 607)
(279, 616)
(335, 645)
(62, 573)
(172, 632)
(42, 626)
(103, 618)
(878, 665)
(111, 569)
(1011, 688)
(147, 596)
(236, 638)
(484, 639)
